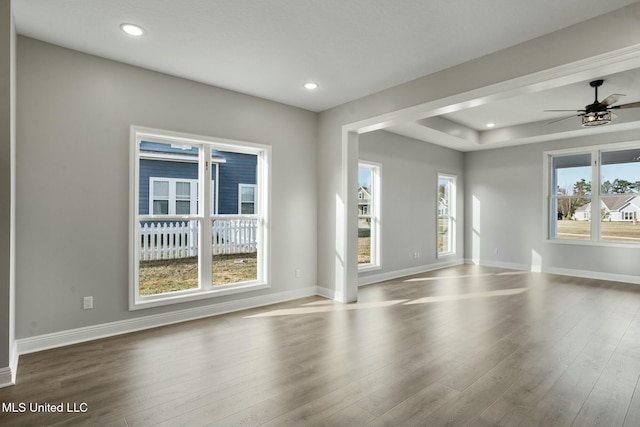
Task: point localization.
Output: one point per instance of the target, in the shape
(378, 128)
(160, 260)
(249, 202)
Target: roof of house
(612, 203)
(365, 191)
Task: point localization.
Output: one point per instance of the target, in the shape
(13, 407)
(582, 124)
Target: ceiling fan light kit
(596, 119)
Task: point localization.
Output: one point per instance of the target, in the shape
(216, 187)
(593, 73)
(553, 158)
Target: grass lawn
(364, 250)
(610, 230)
(180, 274)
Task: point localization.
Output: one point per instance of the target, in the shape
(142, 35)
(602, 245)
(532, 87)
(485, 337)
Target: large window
(605, 212)
(182, 247)
(446, 214)
(368, 215)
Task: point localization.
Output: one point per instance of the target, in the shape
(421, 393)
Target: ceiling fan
(598, 113)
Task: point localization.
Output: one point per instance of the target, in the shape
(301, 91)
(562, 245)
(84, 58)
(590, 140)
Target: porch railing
(179, 239)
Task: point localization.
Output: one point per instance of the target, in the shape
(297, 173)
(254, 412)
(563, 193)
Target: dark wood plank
(465, 345)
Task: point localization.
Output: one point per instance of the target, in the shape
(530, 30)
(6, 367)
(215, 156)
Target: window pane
(571, 209)
(183, 190)
(444, 239)
(364, 241)
(183, 207)
(160, 207)
(166, 173)
(619, 219)
(365, 207)
(445, 215)
(620, 172)
(248, 194)
(161, 189)
(247, 208)
(171, 258)
(443, 197)
(235, 250)
(574, 229)
(168, 257)
(572, 175)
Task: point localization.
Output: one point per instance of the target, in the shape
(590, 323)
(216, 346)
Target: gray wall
(7, 181)
(409, 195)
(579, 42)
(74, 113)
(504, 213)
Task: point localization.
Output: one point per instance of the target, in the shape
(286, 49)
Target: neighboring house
(364, 206)
(168, 181)
(613, 208)
(443, 207)
(364, 201)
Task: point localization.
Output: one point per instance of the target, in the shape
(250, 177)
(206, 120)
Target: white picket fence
(170, 240)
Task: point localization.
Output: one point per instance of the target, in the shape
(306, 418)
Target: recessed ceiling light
(490, 125)
(311, 86)
(132, 29)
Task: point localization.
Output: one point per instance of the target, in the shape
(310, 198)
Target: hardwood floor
(460, 346)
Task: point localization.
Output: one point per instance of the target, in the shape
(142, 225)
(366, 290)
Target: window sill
(593, 243)
(368, 267)
(194, 295)
(446, 255)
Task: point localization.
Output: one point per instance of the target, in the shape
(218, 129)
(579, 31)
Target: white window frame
(240, 201)
(451, 218)
(204, 218)
(548, 221)
(374, 215)
(193, 199)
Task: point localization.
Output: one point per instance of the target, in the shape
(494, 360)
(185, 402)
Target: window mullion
(595, 196)
(193, 196)
(204, 246)
(172, 197)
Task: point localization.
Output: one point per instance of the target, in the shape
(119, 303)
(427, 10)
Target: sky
(567, 177)
(364, 177)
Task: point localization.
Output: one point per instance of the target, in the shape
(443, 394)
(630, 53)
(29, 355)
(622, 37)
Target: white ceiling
(531, 107)
(352, 48)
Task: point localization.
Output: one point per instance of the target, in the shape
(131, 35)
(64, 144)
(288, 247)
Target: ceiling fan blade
(555, 111)
(624, 106)
(563, 118)
(612, 99)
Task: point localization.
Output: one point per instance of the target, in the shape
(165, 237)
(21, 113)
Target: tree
(607, 187)
(582, 188)
(621, 186)
(567, 206)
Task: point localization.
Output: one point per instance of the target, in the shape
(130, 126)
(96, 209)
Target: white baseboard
(8, 373)
(587, 274)
(613, 277)
(505, 265)
(328, 293)
(89, 333)
(7, 376)
(375, 278)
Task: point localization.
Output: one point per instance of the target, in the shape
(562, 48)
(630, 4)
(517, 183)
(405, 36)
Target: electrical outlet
(87, 303)
(416, 255)
(297, 273)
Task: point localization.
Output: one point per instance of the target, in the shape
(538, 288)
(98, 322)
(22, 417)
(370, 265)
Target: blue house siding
(236, 169)
(239, 169)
